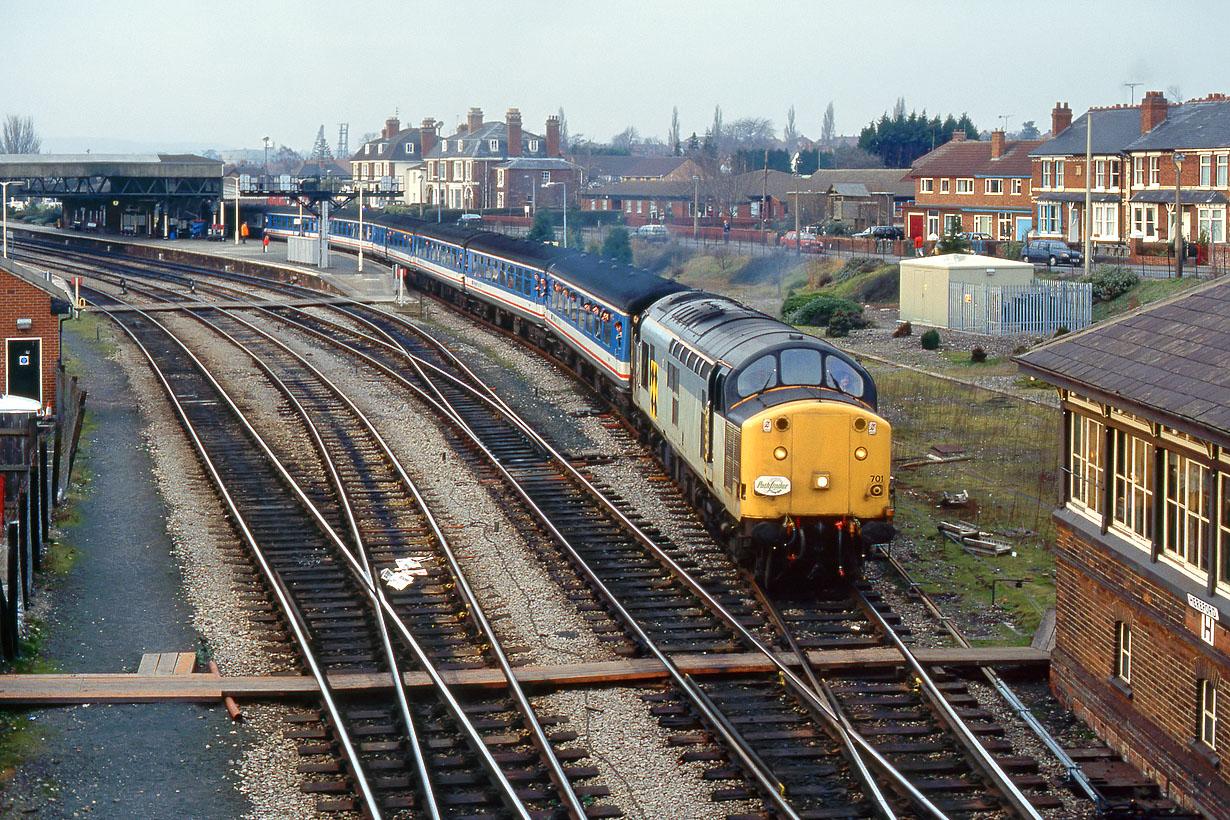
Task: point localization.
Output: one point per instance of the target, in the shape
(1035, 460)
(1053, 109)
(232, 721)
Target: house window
(546, 177)
(499, 177)
(1049, 214)
(469, 170)
(367, 149)
(994, 186)
(1005, 226)
(1212, 222)
(1155, 167)
(1132, 513)
(933, 224)
(1059, 173)
(1206, 170)
(640, 206)
(1206, 706)
(1223, 160)
(1144, 221)
(1114, 173)
(628, 207)
(1085, 464)
(499, 199)
(409, 147)
(1123, 651)
(493, 145)
(367, 169)
(982, 224)
(1186, 514)
(1106, 220)
(380, 148)
(1099, 174)
(944, 183)
(1046, 173)
(1016, 186)
(1223, 529)
(926, 185)
(533, 146)
(965, 186)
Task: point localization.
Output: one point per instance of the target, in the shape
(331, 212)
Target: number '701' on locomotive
(772, 433)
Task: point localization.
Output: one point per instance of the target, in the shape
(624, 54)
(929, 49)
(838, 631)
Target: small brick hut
(30, 307)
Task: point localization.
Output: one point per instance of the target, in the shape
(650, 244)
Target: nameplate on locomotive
(771, 485)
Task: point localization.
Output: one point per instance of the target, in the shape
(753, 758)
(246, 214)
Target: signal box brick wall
(1153, 721)
(21, 300)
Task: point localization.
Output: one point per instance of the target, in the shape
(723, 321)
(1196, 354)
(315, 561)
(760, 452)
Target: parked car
(653, 233)
(975, 236)
(1052, 252)
(804, 241)
(470, 220)
(881, 232)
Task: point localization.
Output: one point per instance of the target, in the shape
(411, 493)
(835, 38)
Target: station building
(1142, 558)
(30, 311)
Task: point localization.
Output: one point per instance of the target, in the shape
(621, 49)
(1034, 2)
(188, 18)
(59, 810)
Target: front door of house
(916, 225)
(1074, 224)
(1023, 225)
(23, 372)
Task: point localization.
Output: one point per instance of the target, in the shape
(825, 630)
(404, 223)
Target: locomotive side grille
(733, 448)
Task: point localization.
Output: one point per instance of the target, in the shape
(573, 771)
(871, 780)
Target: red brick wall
(21, 300)
(1153, 727)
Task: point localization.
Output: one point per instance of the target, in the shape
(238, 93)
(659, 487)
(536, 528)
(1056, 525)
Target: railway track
(704, 611)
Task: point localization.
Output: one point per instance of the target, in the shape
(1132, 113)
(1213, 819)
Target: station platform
(374, 284)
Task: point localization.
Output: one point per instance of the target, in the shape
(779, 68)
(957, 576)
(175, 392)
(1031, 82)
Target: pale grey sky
(224, 73)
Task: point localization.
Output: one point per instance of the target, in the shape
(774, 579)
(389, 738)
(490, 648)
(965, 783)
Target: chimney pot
(1153, 111)
(1061, 118)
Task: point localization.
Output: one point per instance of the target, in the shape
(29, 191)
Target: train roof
(628, 289)
(727, 331)
(515, 248)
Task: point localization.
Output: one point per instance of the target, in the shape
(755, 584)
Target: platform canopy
(112, 175)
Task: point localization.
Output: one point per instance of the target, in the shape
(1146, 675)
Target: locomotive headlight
(779, 453)
(860, 453)
(820, 481)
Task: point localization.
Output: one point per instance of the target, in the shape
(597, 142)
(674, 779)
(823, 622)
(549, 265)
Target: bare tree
(19, 136)
(828, 126)
(715, 133)
(899, 109)
(751, 132)
(790, 133)
(563, 130)
(1174, 93)
(673, 137)
(626, 138)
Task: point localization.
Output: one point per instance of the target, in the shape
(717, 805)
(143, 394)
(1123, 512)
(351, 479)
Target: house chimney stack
(427, 135)
(997, 144)
(958, 135)
(391, 127)
(1061, 118)
(513, 119)
(553, 136)
(1153, 110)
(474, 120)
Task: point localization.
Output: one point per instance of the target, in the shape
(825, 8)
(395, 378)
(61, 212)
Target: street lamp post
(236, 210)
(1178, 214)
(265, 179)
(360, 227)
(695, 205)
(4, 210)
(563, 185)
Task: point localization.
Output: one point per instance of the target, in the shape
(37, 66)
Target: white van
(651, 233)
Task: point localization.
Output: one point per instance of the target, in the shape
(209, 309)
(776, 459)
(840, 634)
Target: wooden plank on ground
(149, 663)
(147, 687)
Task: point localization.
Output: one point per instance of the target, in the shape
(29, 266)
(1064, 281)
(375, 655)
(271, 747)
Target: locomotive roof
(727, 331)
(626, 288)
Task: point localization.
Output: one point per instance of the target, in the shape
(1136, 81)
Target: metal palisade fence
(1040, 308)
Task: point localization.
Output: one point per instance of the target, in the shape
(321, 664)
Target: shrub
(819, 309)
(617, 246)
(834, 227)
(930, 340)
(1010, 250)
(1110, 282)
(1061, 330)
(856, 265)
(542, 229)
(840, 324)
(904, 329)
(977, 355)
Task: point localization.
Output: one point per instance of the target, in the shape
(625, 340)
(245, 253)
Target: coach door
(24, 375)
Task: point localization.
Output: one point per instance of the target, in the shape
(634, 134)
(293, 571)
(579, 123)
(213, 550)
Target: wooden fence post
(44, 501)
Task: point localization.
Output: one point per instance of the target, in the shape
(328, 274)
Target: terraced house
(1142, 558)
(984, 185)
(1138, 156)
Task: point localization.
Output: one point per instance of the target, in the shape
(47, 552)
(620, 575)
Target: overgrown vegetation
(1010, 471)
(930, 340)
(818, 309)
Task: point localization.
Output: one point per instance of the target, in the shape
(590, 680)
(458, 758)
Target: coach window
(802, 366)
(757, 376)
